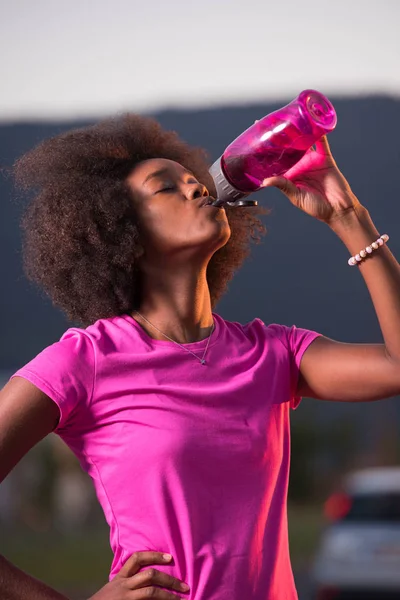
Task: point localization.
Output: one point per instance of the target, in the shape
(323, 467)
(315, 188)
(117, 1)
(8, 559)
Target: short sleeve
(296, 340)
(64, 371)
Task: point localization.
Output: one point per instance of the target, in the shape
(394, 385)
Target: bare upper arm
(27, 415)
(331, 370)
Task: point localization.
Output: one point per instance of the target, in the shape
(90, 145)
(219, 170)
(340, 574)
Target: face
(173, 221)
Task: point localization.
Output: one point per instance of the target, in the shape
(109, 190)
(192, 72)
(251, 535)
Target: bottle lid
(319, 108)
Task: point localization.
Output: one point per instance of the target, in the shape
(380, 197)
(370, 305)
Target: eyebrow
(163, 171)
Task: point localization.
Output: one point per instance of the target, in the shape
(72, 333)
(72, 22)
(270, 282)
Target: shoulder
(101, 335)
(292, 338)
(75, 351)
(255, 328)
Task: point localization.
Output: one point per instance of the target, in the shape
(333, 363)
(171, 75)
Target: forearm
(18, 585)
(381, 273)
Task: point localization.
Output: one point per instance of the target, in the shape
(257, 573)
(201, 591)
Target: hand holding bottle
(316, 185)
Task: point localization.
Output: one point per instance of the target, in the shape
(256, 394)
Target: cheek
(153, 219)
(162, 228)
(165, 229)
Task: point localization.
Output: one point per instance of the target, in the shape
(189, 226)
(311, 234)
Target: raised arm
(332, 370)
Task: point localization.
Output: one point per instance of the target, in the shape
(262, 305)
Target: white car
(359, 553)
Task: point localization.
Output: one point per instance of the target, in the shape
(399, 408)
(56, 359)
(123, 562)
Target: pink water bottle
(271, 147)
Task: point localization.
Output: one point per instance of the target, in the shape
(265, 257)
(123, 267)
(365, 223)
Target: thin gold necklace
(202, 359)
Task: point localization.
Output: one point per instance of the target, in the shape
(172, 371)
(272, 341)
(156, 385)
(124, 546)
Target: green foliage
(321, 453)
(63, 562)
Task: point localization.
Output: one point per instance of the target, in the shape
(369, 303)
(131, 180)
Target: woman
(180, 417)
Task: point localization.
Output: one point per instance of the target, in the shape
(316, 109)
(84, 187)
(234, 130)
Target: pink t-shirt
(185, 458)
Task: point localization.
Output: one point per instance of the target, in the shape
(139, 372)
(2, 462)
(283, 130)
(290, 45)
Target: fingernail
(185, 587)
(167, 556)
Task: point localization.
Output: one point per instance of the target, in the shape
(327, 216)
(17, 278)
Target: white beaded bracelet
(354, 260)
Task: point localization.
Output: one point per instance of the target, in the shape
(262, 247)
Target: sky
(63, 59)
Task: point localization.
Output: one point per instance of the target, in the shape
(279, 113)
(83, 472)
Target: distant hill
(298, 275)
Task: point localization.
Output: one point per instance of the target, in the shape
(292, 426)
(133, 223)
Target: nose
(197, 190)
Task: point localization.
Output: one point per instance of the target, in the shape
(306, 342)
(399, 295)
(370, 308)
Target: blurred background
(208, 69)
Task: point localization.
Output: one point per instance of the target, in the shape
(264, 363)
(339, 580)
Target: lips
(207, 201)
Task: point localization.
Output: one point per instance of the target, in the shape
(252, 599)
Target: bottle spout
(218, 202)
(235, 203)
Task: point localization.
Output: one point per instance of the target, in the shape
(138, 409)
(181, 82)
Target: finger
(141, 559)
(283, 184)
(152, 592)
(151, 577)
(322, 146)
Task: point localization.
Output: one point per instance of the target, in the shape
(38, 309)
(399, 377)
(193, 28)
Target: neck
(177, 302)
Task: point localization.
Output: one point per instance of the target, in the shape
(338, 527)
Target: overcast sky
(79, 58)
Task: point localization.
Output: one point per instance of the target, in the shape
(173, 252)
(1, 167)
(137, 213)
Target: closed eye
(171, 187)
(165, 189)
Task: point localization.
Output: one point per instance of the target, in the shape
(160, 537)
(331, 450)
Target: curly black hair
(81, 241)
